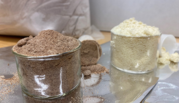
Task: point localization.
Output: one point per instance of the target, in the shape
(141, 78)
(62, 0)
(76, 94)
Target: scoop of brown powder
(47, 42)
(90, 52)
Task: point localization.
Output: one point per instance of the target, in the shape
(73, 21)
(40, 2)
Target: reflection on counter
(128, 87)
(167, 86)
(164, 71)
(172, 66)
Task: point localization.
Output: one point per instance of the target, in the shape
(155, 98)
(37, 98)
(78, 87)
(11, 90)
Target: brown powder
(90, 52)
(47, 42)
(48, 76)
(86, 72)
(7, 86)
(97, 69)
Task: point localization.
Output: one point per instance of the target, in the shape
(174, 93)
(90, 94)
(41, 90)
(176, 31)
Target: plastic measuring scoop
(169, 42)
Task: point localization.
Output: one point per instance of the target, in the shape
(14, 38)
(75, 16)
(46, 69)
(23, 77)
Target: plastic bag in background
(29, 17)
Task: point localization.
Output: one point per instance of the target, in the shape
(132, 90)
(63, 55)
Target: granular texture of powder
(133, 28)
(90, 52)
(7, 86)
(86, 72)
(74, 97)
(134, 53)
(52, 75)
(47, 42)
(97, 69)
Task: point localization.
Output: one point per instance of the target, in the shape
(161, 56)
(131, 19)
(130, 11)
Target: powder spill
(7, 85)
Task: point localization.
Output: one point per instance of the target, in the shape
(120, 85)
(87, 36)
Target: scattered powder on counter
(47, 42)
(132, 27)
(7, 85)
(90, 52)
(97, 69)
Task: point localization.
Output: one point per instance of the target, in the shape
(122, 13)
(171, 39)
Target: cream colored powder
(174, 57)
(164, 57)
(136, 54)
(168, 59)
(134, 28)
(173, 66)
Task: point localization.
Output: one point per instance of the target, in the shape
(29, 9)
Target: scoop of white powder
(166, 58)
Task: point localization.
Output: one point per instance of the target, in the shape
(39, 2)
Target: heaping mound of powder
(47, 42)
(134, 28)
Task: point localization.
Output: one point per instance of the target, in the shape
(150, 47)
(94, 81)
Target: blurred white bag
(28, 17)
